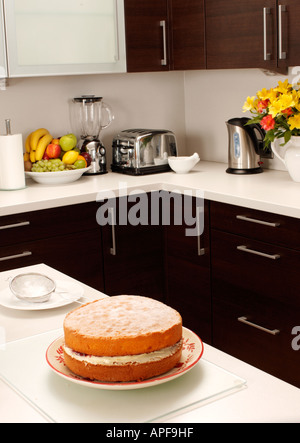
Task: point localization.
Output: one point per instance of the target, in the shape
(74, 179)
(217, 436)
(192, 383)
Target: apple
(45, 156)
(68, 142)
(80, 163)
(87, 157)
(53, 151)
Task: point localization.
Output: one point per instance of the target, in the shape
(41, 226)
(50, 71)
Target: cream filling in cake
(124, 359)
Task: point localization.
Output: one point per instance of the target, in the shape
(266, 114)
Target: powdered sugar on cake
(123, 315)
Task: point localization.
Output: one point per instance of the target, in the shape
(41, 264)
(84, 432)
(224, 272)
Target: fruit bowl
(58, 177)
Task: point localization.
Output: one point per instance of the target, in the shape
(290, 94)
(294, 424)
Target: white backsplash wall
(212, 98)
(193, 104)
(150, 100)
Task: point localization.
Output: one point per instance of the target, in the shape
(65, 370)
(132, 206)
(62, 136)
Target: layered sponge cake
(122, 338)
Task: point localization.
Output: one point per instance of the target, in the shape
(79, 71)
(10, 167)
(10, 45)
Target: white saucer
(71, 292)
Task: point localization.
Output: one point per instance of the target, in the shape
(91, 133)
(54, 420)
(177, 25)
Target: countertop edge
(273, 191)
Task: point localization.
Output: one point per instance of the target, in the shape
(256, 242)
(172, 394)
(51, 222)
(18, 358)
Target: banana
(27, 143)
(26, 157)
(42, 145)
(32, 156)
(35, 137)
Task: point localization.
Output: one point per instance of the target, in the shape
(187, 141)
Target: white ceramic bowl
(56, 178)
(183, 165)
(32, 287)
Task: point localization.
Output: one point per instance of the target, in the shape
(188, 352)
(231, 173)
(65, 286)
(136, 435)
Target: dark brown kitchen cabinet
(288, 26)
(256, 34)
(66, 238)
(187, 34)
(255, 287)
(147, 28)
(241, 34)
(163, 35)
(188, 262)
(132, 248)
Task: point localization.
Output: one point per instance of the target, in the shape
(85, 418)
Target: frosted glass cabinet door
(3, 65)
(55, 37)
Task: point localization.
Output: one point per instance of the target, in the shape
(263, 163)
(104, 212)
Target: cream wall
(213, 97)
(193, 104)
(153, 100)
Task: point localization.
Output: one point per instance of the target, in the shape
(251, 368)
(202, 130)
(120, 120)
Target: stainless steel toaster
(143, 151)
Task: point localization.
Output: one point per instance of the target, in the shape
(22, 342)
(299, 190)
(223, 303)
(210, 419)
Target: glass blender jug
(89, 115)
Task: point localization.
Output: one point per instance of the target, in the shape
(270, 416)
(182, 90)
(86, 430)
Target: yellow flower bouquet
(277, 110)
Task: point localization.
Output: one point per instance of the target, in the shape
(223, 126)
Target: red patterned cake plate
(191, 354)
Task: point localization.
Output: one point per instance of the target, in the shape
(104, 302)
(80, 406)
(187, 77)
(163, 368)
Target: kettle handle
(251, 132)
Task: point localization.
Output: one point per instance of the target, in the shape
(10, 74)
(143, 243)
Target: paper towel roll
(12, 175)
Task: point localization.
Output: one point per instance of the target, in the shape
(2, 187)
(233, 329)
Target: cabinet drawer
(47, 223)
(258, 333)
(259, 225)
(251, 266)
(66, 253)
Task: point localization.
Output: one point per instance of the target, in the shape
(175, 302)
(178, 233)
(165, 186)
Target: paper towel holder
(8, 126)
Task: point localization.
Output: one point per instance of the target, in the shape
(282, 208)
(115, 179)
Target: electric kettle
(245, 146)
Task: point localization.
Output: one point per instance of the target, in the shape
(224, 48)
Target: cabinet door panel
(259, 225)
(187, 34)
(289, 42)
(133, 254)
(188, 272)
(235, 33)
(274, 354)
(3, 61)
(276, 278)
(144, 35)
(78, 256)
(47, 223)
(48, 38)
(262, 291)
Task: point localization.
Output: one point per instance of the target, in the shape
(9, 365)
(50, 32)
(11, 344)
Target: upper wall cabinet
(162, 35)
(241, 34)
(3, 64)
(289, 35)
(147, 44)
(256, 34)
(64, 37)
(187, 34)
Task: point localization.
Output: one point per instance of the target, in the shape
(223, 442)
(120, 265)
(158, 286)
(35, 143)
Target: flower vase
(289, 155)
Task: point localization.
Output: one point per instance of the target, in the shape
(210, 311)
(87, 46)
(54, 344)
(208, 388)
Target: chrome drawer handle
(15, 225)
(111, 212)
(200, 222)
(262, 254)
(261, 328)
(260, 222)
(267, 55)
(281, 9)
(12, 257)
(164, 61)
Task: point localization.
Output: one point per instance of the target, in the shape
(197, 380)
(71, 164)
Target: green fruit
(68, 142)
(80, 164)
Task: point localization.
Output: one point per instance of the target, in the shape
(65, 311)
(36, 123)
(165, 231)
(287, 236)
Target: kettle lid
(238, 121)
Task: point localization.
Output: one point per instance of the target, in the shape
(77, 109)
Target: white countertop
(264, 399)
(272, 191)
